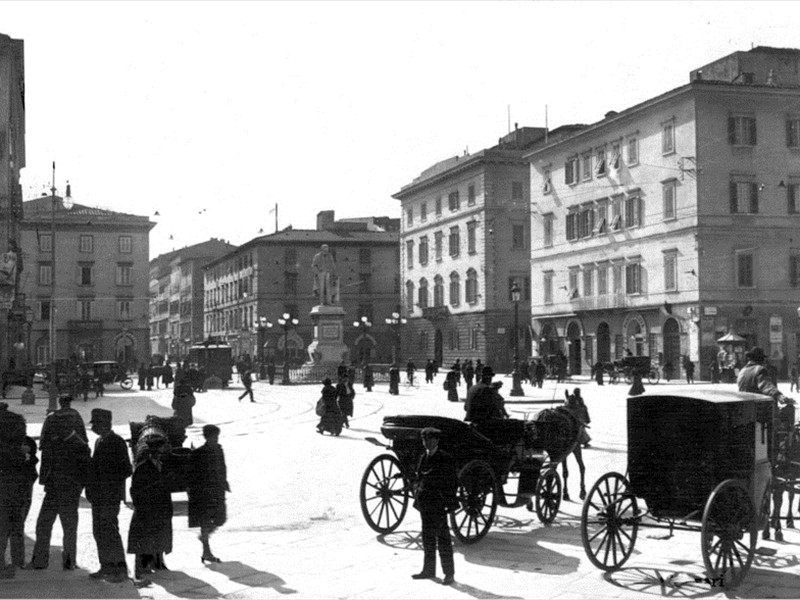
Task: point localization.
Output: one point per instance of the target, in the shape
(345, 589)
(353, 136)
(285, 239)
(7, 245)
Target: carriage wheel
(653, 376)
(384, 494)
(609, 522)
(126, 383)
(727, 533)
(477, 502)
(548, 495)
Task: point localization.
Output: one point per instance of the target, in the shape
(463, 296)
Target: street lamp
(396, 321)
(516, 388)
(363, 325)
(286, 321)
(67, 203)
(261, 324)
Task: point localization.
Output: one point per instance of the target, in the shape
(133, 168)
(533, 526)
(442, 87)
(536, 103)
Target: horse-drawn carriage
(700, 462)
(489, 459)
(110, 371)
(626, 367)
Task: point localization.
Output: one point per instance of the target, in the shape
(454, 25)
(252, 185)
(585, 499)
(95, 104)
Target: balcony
(75, 324)
(609, 302)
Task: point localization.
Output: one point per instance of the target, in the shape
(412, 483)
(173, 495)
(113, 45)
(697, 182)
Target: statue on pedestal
(326, 281)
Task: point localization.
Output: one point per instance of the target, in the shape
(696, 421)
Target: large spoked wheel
(548, 495)
(728, 534)
(653, 376)
(609, 522)
(384, 494)
(477, 502)
(126, 383)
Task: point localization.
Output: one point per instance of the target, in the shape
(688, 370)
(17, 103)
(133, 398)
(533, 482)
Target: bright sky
(213, 112)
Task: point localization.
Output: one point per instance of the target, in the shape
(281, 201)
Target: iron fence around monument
(317, 373)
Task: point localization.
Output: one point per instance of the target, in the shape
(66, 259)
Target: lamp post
(516, 388)
(261, 324)
(396, 321)
(363, 326)
(67, 203)
(286, 321)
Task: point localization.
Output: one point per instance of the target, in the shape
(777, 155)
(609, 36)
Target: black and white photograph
(406, 300)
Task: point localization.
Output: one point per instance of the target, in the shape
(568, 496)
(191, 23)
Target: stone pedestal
(328, 347)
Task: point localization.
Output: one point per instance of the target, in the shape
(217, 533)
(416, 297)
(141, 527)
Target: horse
(559, 435)
(785, 471)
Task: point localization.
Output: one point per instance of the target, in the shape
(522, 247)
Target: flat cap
(100, 415)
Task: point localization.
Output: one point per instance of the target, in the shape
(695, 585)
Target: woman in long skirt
(208, 483)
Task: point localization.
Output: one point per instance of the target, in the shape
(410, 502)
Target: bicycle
(411, 381)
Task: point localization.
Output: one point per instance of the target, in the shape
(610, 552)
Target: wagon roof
(712, 396)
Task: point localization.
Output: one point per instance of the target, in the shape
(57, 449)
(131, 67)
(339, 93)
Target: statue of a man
(326, 282)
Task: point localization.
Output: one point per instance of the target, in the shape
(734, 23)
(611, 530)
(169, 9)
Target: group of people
(150, 375)
(335, 405)
(68, 467)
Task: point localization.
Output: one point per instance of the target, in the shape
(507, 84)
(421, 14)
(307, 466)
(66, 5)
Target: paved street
(295, 526)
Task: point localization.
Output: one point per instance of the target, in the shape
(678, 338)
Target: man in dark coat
(755, 378)
(14, 462)
(394, 380)
(469, 373)
(141, 374)
(247, 380)
(207, 487)
(108, 470)
(429, 371)
(271, 372)
(435, 497)
(369, 377)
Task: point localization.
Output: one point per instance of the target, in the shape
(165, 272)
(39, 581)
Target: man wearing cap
(436, 495)
(109, 468)
(483, 400)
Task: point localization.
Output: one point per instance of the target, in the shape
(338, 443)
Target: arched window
(471, 288)
(423, 293)
(455, 289)
(438, 291)
(410, 296)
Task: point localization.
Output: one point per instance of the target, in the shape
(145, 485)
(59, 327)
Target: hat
(100, 415)
(757, 354)
(487, 371)
(430, 432)
(209, 430)
(66, 399)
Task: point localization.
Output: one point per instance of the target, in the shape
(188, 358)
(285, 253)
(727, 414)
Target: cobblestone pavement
(295, 526)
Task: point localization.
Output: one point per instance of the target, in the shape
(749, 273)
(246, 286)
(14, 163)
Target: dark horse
(559, 433)
(785, 471)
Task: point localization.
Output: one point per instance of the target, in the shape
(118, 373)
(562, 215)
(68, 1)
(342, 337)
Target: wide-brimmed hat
(100, 415)
(487, 371)
(431, 432)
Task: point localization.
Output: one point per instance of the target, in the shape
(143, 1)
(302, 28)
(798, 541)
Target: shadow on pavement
(182, 585)
(402, 540)
(247, 575)
(517, 552)
(662, 582)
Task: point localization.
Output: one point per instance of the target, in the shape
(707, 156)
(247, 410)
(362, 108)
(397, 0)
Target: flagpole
(276, 217)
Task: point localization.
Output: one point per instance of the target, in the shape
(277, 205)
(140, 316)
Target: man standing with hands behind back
(436, 495)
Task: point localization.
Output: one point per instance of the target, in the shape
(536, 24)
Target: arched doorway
(548, 343)
(635, 331)
(603, 343)
(438, 347)
(364, 346)
(575, 348)
(672, 344)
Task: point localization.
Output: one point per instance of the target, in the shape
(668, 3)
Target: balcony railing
(90, 324)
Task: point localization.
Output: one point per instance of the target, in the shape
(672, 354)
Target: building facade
(100, 298)
(250, 288)
(176, 297)
(664, 226)
(14, 313)
(465, 241)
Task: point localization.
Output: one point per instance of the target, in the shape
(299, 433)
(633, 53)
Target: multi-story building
(176, 297)
(251, 287)
(465, 242)
(14, 348)
(664, 226)
(100, 294)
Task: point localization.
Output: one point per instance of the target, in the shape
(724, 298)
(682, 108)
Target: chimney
(325, 219)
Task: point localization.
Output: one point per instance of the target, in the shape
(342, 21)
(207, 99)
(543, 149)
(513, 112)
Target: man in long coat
(109, 468)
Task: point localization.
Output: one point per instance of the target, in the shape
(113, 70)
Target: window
(86, 274)
(45, 274)
(423, 342)
(410, 295)
(454, 339)
(86, 243)
(616, 157)
(633, 278)
(571, 170)
(439, 206)
(671, 270)
(602, 279)
(290, 258)
(44, 310)
(125, 244)
(633, 211)
(668, 137)
(793, 198)
(471, 227)
(743, 197)
(547, 233)
(588, 279)
(794, 270)
(290, 283)
(742, 131)
(616, 278)
(364, 257)
(601, 222)
(547, 286)
(586, 166)
(633, 151)
(473, 337)
(123, 309)
(471, 194)
(793, 132)
(617, 203)
(453, 202)
(437, 245)
(572, 220)
(423, 212)
(516, 190)
(455, 241)
(572, 292)
(547, 181)
(744, 269)
(668, 194)
(455, 289)
(600, 161)
(586, 221)
(410, 216)
(423, 293)
(517, 237)
(123, 274)
(45, 242)
(410, 254)
(85, 310)
(521, 284)
(438, 291)
(423, 250)
(471, 287)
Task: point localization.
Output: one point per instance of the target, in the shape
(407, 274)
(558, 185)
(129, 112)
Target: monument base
(328, 347)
